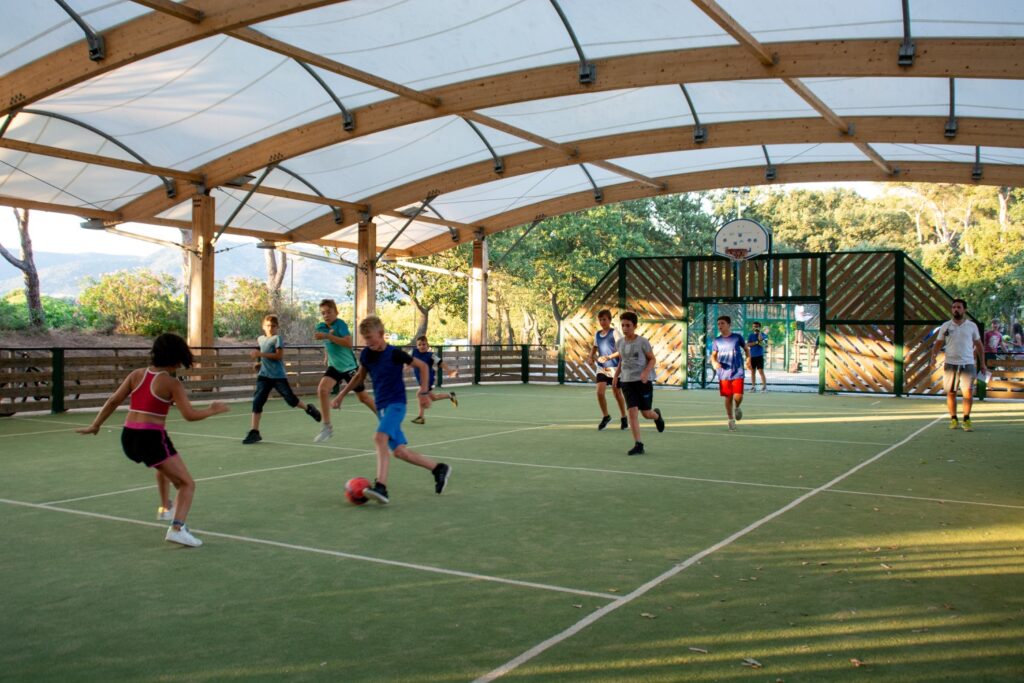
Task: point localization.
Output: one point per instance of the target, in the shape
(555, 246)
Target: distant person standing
(993, 340)
(755, 348)
(603, 350)
(727, 358)
(1018, 338)
(962, 343)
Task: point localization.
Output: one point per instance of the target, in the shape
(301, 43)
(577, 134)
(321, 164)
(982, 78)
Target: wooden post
(478, 294)
(366, 275)
(201, 283)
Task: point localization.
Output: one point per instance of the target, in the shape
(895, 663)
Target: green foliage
(240, 304)
(60, 314)
(139, 302)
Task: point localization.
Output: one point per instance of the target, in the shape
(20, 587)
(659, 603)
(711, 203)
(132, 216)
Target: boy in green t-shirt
(341, 365)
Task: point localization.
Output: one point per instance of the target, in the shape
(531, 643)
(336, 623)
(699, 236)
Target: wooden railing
(59, 379)
(1007, 376)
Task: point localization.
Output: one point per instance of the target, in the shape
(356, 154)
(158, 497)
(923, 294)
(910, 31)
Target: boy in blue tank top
(607, 357)
(385, 365)
(422, 352)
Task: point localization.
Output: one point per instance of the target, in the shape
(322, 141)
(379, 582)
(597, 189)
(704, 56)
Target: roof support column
(366, 273)
(478, 292)
(201, 283)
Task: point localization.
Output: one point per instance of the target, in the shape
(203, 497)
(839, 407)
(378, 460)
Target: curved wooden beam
(137, 39)
(981, 58)
(892, 129)
(913, 172)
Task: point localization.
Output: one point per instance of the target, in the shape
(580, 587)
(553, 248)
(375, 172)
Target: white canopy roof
(486, 107)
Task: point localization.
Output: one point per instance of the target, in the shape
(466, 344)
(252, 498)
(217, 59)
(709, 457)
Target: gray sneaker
(326, 432)
(739, 413)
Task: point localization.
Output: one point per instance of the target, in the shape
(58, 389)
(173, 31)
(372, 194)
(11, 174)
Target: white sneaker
(326, 432)
(165, 514)
(732, 425)
(739, 413)
(182, 536)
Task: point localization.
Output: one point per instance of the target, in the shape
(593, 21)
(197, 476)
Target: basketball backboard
(742, 239)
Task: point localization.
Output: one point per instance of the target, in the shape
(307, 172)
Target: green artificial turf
(909, 569)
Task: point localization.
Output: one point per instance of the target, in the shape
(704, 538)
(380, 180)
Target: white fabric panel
(475, 203)
(612, 27)
(883, 96)
(197, 102)
(428, 43)
(387, 226)
(45, 130)
(963, 154)
(577, 117)
(261, 212)
(989, 98)
(919, 96)
(694, 161)
(831, 19)
(34, 28)
(367, 165)
(60, 181)
(746, 100)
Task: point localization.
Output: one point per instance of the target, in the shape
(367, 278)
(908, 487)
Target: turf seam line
(42, 431)
(324, 551)
(693, 559)
(925, 498)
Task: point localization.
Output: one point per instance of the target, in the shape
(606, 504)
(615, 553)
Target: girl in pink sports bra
(144, 437)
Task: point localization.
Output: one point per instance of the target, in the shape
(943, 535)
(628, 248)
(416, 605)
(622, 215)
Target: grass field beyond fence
(829, 539)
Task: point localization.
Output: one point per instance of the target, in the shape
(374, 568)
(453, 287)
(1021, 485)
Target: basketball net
(737, 254)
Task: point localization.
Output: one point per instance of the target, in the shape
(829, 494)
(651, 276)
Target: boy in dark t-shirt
(385, 365)
(423, 353)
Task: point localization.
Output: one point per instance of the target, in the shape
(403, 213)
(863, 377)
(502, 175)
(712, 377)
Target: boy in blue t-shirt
(423, 353)
(607, 357)
(272, 375)
(755, 349)
(727, 353)
(385, 364)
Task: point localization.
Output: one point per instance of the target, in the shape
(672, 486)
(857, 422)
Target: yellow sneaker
(954, 423)
(967, 425)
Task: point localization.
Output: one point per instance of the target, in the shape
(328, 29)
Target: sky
(61, 233)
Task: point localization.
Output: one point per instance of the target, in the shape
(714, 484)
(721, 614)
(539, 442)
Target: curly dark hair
(170, 349)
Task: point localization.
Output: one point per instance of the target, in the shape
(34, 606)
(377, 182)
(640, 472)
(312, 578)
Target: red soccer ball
(354, 490)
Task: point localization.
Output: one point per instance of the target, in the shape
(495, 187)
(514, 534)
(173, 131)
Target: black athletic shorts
(148, 446)
(604, 377)
(264, 385)
(338, 376)
(638, 394)
(757, 362)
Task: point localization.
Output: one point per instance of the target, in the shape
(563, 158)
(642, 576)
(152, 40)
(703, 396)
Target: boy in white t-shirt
(962, 343)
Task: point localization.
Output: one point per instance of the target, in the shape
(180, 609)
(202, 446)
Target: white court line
(43, 431)
(634, 474)
(732, 435)
(288, 467)
(276, 443)
(934, 500)
(516, 662)
(323, 551)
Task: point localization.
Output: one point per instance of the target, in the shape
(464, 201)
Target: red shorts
(730, 387)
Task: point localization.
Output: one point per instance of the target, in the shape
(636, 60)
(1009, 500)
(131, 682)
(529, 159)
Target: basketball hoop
(742, 240)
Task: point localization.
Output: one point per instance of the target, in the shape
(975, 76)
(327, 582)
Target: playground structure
(868, 319)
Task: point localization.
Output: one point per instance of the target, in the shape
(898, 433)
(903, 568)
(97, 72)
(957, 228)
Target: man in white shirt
(962, 345)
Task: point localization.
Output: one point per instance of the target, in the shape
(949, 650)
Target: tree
(427, 290)
(275, 276)
(141, 301)
(27, 265)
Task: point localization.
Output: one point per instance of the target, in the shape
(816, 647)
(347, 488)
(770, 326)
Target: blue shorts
(390, 423)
